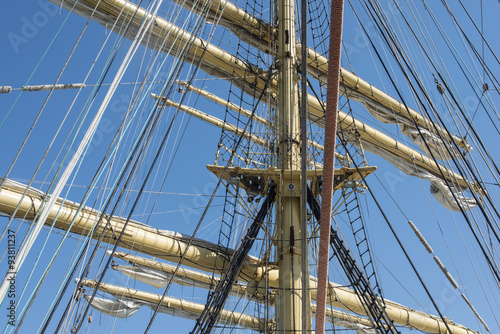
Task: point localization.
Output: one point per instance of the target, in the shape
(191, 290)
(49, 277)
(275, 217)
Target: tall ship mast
(117, 217)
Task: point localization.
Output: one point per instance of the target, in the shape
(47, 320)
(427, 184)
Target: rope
(36, 67)
(22, 253)
(32, 127)
(468, 167)
(206, 208)
(335, 45)
(156, 157)
(303, 165)
(389, 39)
(103, 210)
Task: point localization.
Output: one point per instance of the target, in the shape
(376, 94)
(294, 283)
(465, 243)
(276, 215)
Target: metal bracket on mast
(344, 177)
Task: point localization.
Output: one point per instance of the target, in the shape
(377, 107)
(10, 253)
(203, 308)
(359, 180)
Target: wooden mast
(289, 228)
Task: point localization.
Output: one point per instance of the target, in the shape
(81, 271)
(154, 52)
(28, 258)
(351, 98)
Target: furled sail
(171, 39)
(128, 301)
(248, 291)
(385, 108)
(120, 308)
(201, 254)
(413, 163)
(382, 106)
(249, 78)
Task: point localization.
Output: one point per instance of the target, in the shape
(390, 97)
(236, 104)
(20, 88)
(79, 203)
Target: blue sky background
(29, 27)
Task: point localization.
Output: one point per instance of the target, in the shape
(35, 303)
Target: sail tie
(446, 272)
